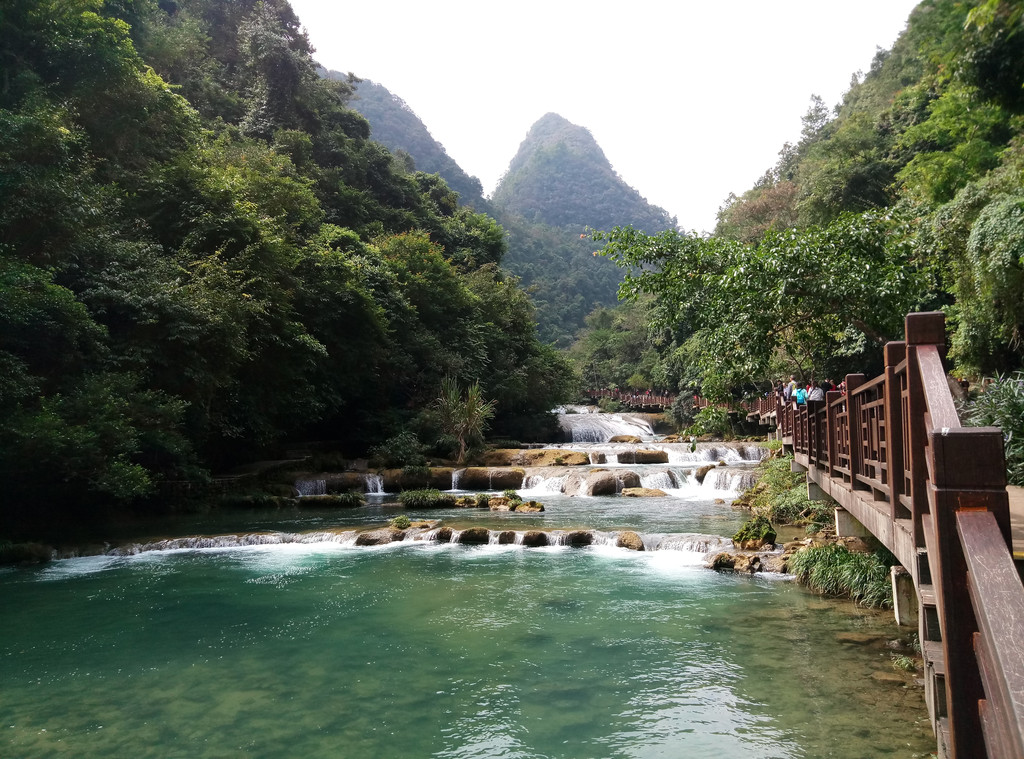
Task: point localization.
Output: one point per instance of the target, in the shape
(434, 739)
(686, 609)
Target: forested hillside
(393, 124)
(559, 187)
(203, 255)
(560, 177)
(908, 195)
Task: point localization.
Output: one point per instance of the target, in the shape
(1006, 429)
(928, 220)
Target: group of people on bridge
(794, 390)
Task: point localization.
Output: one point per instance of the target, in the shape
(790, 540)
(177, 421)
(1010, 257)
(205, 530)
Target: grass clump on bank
(834, 570)
(426, 499)
(758, 528)
(780, 496)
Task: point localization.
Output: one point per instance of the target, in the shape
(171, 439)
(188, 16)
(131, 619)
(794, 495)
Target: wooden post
(853, 381)
(814, 448)
(922, 329)
(895, 353)
(832, 431)
(968, 474)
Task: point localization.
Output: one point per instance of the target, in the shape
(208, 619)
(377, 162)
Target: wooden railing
(634, 399)
(893, 453)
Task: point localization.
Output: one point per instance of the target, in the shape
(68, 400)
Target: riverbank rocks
(601, 482)
(748, 561)
(702, 472)
(491, 478)
(529, 507)
(501, 503)
(643, 493)
(381, 536)
(631, 540)
(579, 538)
(475, 536)
(643, 456)
(624, 439)
(533, 457)
(535, 539)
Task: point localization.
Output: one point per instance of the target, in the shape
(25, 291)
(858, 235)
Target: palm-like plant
(463, 417)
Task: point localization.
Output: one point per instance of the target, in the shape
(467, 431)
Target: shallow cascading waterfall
(311, 487)
(542, 484)
(663, 480)
(600, 428)
(374, 484)
(681, 453)
(730, 480)
(457, 478)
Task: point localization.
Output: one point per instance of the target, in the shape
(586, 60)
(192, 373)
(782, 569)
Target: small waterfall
(729, 480)
(374, 484)
(539, 484)
(600, 428)
(311, 487)
(196, 542)
(457, 478)
(710, 453)
(694, 543)
(658, 480)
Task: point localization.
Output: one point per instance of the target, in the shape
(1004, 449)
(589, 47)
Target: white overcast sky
(689, 100)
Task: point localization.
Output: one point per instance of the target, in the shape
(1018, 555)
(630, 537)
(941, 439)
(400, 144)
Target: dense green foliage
(907, 196)
(202, 256)
(558, 184)
(426, 499)
(780, 496)
(1002, 405)
(618, 349)
(756, 528)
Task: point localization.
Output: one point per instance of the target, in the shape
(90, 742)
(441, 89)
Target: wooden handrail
(894, 454)
(993, 584)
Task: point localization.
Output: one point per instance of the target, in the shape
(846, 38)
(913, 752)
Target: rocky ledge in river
(774, 558)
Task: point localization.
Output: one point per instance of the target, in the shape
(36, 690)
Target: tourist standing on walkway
(814, 392)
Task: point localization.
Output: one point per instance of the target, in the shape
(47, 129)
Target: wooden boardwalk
(893, 454)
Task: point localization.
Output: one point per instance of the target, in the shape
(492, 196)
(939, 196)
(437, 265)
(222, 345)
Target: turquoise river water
(415, 649)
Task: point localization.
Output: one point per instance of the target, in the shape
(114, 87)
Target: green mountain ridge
(561, 177)
(559, 184)
(396, 126)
